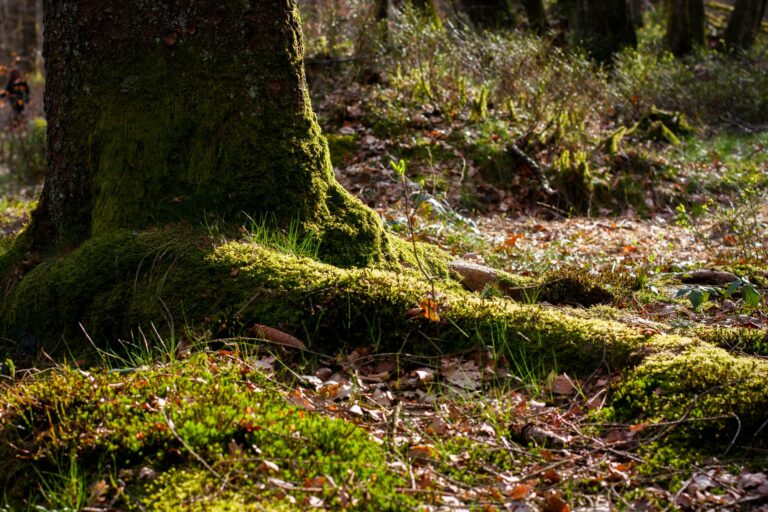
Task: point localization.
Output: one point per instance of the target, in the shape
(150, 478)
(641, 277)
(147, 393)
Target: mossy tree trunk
(745, 23)
(685, 25)
(173, 111)
(601, 27)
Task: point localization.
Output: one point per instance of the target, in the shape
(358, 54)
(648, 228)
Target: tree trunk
(537, 15)
(636, 11)
(28, 44)
(488, 14)
(601, 27)
(744, 23)
(181, 110)
(381, 10)
(685, 25)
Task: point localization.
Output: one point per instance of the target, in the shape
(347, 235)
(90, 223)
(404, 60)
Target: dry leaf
(429, 309)
(276, 336)
(562, 385)
(519, 492)
(424, 452)
(555, 503)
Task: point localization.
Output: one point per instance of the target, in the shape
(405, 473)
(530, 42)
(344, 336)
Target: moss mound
(740, 340)
(711, 397)
(179, 432)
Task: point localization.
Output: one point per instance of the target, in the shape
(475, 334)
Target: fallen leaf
(423, 452)
(276, 336)
(519, 492)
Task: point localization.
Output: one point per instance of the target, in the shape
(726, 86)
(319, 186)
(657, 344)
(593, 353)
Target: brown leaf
(519, 492)
(171, 38)
(562, 385)
(423, 452)
(276, 336)
(555, 503)
(551, 476)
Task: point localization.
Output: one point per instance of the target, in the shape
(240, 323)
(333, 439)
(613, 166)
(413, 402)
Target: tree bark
(636, 12)
(28, 41)
(744, 24)
(601, 27)
(685, 25)
(172, 111)
(381, 10)
(488, 14)
(537, 15)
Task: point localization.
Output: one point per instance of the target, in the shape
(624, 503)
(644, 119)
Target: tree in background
(636, 9)
(601, 27)
(20, 34)
(537, 15)
(745, 23)
(685, 25)
(487, 14)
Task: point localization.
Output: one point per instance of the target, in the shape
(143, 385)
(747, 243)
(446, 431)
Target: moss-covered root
(118, 282)
(713, 399)
(207, 433)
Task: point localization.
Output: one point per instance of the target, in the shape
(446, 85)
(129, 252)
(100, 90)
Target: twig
(735, 436)
(187, 447)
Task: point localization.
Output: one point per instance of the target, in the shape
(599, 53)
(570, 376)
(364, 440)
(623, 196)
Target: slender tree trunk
(381, 10)
(745, 23)
(28, 44)
(636, 10)
(488, 14)
(537, 15)
(685, 25)
(181, 110)
(601, 27)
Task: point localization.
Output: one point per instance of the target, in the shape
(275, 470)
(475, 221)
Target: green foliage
(698, 295)
(738, 223)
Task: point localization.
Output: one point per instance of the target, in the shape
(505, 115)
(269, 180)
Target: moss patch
(714, 395)
(105, 423)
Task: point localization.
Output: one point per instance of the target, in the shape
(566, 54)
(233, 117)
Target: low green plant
(290, 240)
(739, 223)
(700, 294)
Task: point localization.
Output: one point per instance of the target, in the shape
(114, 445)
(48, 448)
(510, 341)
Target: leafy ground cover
(667, 224)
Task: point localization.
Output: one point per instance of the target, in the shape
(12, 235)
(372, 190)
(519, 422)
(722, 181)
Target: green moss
(739, 340)
(222, 410)
(702, 385)
(342, 148)
(575, 286)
